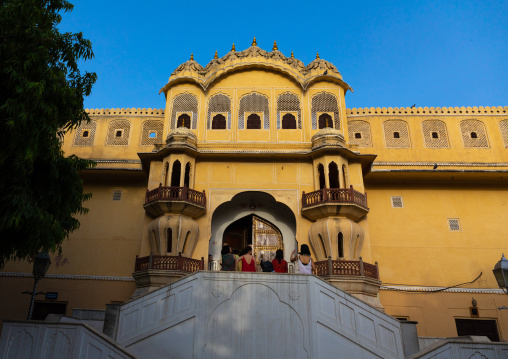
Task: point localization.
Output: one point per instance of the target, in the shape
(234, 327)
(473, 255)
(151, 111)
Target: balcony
(155, 271)
(328, 202)
(181, 200)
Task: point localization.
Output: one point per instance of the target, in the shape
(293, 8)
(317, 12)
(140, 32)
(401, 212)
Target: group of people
(245, 262)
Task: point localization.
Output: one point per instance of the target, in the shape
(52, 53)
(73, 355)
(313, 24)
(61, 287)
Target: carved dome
(181, 136)
(328, 136)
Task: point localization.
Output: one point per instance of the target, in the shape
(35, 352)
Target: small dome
(328, 136)
(181, 131)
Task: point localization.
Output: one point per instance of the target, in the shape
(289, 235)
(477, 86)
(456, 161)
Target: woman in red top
(248, 262)
(279, 264)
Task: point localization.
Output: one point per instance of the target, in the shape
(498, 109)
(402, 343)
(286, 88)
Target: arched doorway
(232, 222)
(264, 237)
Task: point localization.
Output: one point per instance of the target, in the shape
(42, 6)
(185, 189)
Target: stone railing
(175, 194)
(347, 268)
(173, 263)
(334, 195)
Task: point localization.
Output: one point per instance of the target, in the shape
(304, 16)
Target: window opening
(478, 327)
(321, 172)
(473, 135)
(169, 245)
(435, 135)
(397, 202)
(219, 122)
(152, 134)
(396, 135)
(186, 177)
(175, 174)
(325, 120)
(322, 243)
(358, 135)
(454, 224)
(340, 243)
(166, 170)
(288, 122)
(85, 134)
(253, 122)
(185, 241)
(118, 133)
(344, 177)
(183, 121)
(333, 173)
(117, 195)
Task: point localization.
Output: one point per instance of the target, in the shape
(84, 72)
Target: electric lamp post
(41, 265)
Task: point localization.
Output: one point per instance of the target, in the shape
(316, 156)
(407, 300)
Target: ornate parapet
(327, 202)
(427, 110)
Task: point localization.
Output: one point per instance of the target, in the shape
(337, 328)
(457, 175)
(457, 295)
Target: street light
(501, 273)
(41, 265)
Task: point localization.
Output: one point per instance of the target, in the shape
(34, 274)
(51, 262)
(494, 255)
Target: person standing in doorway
(304, 263)
(248, 262)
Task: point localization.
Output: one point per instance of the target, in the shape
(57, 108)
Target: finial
(233, 48)
(292, 56)
(192, 56)
(254, 43)
(216, 57)
(275, 46)
(317, 55)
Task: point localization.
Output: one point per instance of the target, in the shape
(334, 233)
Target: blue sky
(392, 53)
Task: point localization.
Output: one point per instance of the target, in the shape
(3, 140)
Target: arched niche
(260, 204)
(172, 234)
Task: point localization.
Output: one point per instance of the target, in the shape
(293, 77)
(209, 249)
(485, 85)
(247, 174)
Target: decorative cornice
(69, 276)
(440, 164)
(426, 110)
(442, 289)
(125, 111)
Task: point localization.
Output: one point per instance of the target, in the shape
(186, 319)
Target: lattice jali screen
(363, 129)
(289, 102)
(185, 103)
(473, 134)
(503, 125)
(79, 140)
(254, 103)
(434, 134)
(219, 103)
(396, 134)
(124, 126)
(325, 102)
(150, 127)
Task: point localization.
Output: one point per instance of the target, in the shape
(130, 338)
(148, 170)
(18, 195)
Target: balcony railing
(347, 268)
(175, 194)
(334, 195)
(174, 263)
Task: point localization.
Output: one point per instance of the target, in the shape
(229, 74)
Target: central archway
(233, 218)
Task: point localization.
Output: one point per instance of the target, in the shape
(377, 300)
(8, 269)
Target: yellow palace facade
(405, 208)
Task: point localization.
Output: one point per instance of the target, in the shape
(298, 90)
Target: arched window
(288, 122)
(219, 122)
(169, 246)
(325, 120)
(340, 243)
(333, 173)
(183, 121)
(321, 173)
(253, 122)
(186, 177)
(175, 174)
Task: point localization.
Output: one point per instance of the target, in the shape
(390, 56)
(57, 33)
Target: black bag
(266, 266)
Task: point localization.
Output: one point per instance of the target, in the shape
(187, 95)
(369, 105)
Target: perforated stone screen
(185, 103)
(149, 128)
(219, 103)
(434, 134)
(396, 134)
(503, 125)
(325, 102)
(79, 140)
(254, 103)
(124, 127)
(363, 129)
(397, 202)
(454, 224)
(474, 134)
(289, 102)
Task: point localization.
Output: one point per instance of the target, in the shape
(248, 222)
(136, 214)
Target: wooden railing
(347, 268)
(178, 262)
(175, 194)
(334, 195)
